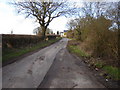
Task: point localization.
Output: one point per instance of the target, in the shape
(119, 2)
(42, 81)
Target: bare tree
(38, 31)
(44, 11)
(87, 9)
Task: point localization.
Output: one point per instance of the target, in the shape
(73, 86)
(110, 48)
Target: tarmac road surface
(30, 71)
(51, 67)
(68, 71)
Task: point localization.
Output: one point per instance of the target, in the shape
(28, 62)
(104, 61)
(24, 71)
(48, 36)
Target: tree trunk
(43, 32)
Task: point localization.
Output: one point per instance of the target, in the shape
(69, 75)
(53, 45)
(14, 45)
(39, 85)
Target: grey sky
(11, 21)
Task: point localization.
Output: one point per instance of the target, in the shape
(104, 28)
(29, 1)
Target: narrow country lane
(68, 71)
(51, 67)
(30, 71)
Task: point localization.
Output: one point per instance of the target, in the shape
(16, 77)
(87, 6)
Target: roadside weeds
(107, 71)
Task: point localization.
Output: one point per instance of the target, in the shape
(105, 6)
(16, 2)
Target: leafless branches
(43, 11)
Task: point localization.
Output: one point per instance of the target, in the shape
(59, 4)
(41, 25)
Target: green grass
(99, 64)
(114, 72)
(76, 50)
(13, 53)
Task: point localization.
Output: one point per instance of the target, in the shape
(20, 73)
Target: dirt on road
(68, 71)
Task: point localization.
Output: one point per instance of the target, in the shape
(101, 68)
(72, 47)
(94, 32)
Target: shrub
(97, 38)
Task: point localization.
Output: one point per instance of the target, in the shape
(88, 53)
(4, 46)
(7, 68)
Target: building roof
(65, 30)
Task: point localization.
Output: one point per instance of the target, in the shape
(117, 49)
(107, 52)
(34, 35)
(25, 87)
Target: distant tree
(51, 32)
(12, 32)
(57, 32)
(48, 31)
(38, 31)
(71, 24)
(44, 11)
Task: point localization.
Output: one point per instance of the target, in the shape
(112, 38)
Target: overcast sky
(11, 21)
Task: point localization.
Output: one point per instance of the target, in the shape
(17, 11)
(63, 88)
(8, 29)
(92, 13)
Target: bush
(97, 38)
(96, 34)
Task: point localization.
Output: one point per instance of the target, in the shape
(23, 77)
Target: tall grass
(75, 49)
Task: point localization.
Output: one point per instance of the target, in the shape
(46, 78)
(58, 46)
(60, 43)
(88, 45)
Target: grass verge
(112, 72)
(77, 51)
(11, 53)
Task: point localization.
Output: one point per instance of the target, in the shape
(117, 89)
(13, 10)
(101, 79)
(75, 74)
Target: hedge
(15, 41)
(52, 36)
